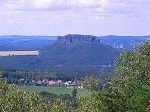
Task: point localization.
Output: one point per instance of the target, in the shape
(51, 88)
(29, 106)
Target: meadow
(18, 53)
(56, 90)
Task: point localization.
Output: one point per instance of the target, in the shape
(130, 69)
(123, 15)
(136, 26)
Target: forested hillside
(79, 53)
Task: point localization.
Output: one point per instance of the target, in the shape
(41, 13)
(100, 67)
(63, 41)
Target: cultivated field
(56, 90)
(18, 53)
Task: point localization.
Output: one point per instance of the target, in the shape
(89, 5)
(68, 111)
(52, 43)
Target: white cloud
(101, 8)
(41, 3)
(64, 16)
(120, 7)
(10, 21)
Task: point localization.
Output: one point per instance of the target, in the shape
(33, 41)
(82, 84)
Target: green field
(56, 90)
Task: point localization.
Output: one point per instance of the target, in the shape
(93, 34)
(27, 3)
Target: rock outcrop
(77, 39)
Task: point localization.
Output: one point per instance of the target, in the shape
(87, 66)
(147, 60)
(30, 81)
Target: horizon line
(75, 34)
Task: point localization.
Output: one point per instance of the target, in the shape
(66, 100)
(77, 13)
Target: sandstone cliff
(78, 39)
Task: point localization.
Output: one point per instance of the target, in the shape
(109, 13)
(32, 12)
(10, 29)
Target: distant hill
(123, 42)
(18, 42)
(77, 51)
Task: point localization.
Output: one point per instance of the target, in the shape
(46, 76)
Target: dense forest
(127, 92)
(13, 75)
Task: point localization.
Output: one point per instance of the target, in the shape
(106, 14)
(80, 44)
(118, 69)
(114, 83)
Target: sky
(61, 17)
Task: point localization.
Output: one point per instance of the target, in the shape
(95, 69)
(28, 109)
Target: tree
(14, 100)
(130, 89)
(90, 83)
(91, 103)
(74, 93)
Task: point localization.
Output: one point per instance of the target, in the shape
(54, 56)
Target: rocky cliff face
(77, 39)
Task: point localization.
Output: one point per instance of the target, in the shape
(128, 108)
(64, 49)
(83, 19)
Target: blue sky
(60, 17)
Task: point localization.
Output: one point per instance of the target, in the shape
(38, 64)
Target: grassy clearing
(56, 90)
(18, 53)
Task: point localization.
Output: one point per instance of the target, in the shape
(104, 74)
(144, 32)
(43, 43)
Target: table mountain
(79, 50)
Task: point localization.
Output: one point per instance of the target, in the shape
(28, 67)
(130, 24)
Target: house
(67, 84)
(22, 80)
(59, 81)
(39, 82)
(52, 82)
(80, 87)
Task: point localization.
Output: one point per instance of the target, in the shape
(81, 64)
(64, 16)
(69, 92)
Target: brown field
(18, 53)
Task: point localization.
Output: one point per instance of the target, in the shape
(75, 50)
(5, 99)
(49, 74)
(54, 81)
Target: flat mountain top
(77, 39)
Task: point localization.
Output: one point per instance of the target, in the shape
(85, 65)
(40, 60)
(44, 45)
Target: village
(54, 83)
